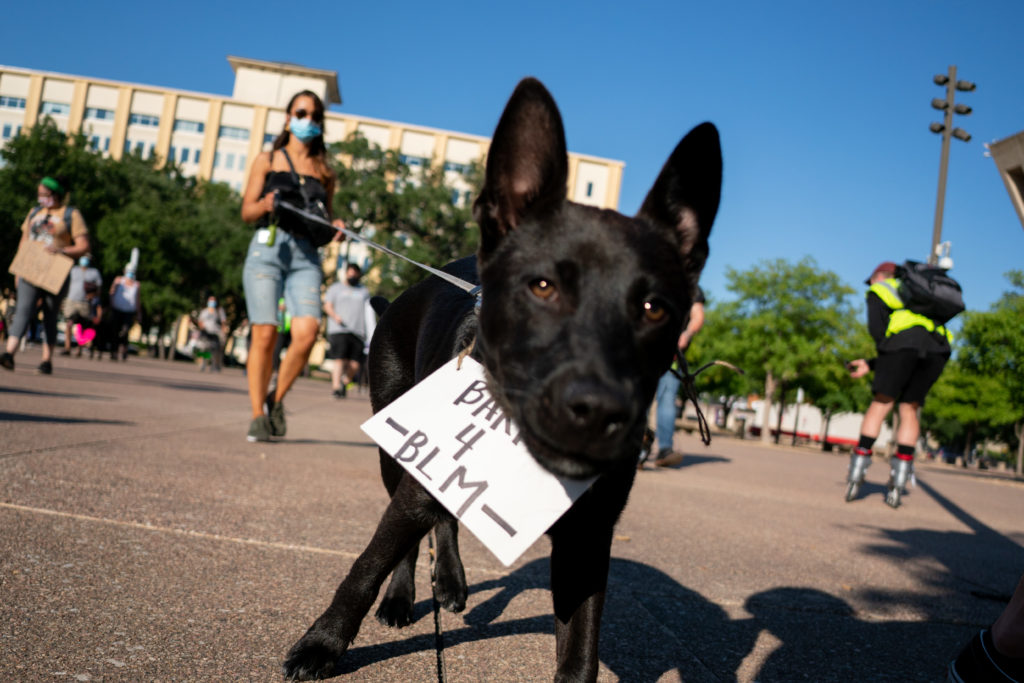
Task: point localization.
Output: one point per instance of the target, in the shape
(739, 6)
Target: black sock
(904, 452)
(866, 442)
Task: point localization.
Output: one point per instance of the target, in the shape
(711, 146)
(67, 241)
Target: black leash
(689, 385)
(438, 630)
(469, 287)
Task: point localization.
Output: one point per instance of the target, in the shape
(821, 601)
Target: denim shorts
(289, 268)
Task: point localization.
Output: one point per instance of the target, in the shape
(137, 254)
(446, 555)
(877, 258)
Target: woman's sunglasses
(301, 113)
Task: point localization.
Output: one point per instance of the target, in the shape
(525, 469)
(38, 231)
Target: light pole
(946, 130)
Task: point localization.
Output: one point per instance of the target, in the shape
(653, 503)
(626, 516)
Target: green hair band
(52, 184)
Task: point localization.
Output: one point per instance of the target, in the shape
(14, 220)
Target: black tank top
(288, 190)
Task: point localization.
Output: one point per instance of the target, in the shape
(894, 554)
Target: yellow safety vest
(903, 318)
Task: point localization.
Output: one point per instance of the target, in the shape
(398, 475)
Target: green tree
(97, 187)
(992, 344)
(412, 212)
(789, 324)
(190, 237)
(189, 233)
(967, 405)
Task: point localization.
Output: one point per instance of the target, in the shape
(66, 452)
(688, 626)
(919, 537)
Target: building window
(106, 144)
(127, 146)
(186, 126)
(55, 108)
(99, 114)
(590, 189)
(184, 155)
(241, 162)
(94, 142)
(139, 146)
(172, 153)
(457, 168)
(413, 162)
(229, 162)
(7, 130)
(234, 133)
(144, 120)
(216, 159)
(195, 157)
(269, 138)
(12, 102)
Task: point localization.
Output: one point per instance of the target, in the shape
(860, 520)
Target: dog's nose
(595, 409)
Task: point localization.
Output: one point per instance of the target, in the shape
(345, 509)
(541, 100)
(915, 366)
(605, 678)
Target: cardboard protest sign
(449, 433)
(40, 267)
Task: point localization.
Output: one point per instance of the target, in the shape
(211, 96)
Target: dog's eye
(543, 289)
(654, 312)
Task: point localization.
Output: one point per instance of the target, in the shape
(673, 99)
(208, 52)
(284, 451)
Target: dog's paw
(315, 656)
(451, 593)
(395, 612)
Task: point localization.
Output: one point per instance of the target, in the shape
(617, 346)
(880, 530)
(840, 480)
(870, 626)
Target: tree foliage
(189, 233)
(410, 210)
(790, 325)
(965, 406)
(991, 349)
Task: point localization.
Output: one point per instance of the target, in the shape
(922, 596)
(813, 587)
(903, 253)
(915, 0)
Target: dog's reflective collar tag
(449, 433)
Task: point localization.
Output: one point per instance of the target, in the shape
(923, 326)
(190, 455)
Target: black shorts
(344, 346)
(907, 376)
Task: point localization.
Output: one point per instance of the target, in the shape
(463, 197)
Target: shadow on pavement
(54, 394)
(653, 625)
(961, 574)
(29, 417)
(143, 380)
(691, 460)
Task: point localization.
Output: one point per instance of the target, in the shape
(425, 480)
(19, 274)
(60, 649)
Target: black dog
(581, 311)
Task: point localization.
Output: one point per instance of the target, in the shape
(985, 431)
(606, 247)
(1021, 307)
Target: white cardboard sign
(449, 433)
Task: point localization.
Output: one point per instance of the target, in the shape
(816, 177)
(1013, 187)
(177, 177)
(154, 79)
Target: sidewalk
(142, 539)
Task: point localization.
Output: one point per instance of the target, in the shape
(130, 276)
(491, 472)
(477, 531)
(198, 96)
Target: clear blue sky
(823, 107)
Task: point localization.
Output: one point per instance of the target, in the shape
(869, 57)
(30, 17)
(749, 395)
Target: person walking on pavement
(213, 330)
(912, 351)
(125, 297)
(350, 324)
(61, 228)
(77, 304)
(282, 257)
(668, 390)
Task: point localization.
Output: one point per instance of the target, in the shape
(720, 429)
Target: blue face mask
(84, 261)
(304, 129)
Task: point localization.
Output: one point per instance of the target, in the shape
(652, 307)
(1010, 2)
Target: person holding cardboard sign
(61, 231)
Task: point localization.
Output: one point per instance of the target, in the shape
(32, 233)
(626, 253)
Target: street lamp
(946, 129)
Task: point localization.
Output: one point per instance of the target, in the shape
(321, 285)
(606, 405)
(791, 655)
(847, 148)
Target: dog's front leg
(409, 516)
(579, 576)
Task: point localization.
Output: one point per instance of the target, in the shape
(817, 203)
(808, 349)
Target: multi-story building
(216, 137)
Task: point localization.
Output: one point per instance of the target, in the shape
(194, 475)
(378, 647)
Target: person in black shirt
(912, 351)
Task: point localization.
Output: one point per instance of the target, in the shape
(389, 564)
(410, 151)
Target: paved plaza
(143, 539)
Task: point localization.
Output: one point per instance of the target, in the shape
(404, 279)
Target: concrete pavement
(143, 539)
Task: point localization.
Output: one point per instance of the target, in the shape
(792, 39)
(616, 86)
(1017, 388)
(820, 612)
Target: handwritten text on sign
(449, 433)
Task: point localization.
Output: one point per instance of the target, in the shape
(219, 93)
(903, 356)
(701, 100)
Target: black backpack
(929, 291)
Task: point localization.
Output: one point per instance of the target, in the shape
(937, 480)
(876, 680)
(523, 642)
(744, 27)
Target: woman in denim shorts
(282, 259)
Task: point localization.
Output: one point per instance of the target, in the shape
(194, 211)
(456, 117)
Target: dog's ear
(527, 165)
(684, 198)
